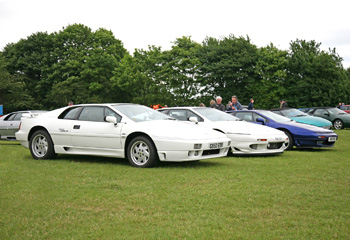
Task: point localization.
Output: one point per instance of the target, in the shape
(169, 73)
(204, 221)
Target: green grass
(302, 194)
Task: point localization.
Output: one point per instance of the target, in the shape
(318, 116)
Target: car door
(8, 124)
(91, 130)
(13, 126)
(323, 113)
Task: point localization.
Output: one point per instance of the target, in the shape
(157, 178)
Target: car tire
(41, 145)
(291, 140)
(142, 153)
(338, 124)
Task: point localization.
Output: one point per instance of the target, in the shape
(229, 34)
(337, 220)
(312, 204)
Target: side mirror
(193, 119)
(111, 119)
(326, 114)
(260, 120)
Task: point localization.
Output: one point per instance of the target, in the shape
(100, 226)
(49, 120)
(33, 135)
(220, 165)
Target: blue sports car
(300, 135)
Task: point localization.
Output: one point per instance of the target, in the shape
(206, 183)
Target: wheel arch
(219, 130)
(132, 136)
(34, 129)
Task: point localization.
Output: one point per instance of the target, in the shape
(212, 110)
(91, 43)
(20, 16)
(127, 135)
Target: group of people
(340, 105)
(232, 105)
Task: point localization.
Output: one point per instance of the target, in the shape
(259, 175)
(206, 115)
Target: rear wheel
(338, 124)
(142, 152)
(290, 143)
(41, 145)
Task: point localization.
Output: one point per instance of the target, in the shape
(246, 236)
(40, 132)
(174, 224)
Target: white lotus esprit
(246, 138)
(138, 133)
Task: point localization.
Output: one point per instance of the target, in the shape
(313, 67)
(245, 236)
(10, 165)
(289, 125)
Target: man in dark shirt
(235, 105)
(218, 105)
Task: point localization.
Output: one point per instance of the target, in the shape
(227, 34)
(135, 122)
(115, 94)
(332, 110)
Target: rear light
(262, 140)
(19, 128)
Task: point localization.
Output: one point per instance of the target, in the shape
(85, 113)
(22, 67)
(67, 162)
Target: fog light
(197, 146)
(321, 137)
(220, 145)
(196, 153)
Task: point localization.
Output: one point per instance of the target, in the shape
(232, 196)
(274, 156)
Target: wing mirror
(260, 120)
(326, 114)
(111, 119)
(193, 119)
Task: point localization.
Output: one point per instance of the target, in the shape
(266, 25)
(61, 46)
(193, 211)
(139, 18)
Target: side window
(247, 116)
(256, 116)
(320, 112)
(94, 114)
(192, 114)
(17, 117)
(178, 114)
(10, 117)
(70, 113)
(109, 112)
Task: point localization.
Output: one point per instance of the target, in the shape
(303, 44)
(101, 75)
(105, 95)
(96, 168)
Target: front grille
(211, 152)
(277, 145)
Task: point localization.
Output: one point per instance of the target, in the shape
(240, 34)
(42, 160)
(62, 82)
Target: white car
(246, 138)
(9, 123)
(138, 133)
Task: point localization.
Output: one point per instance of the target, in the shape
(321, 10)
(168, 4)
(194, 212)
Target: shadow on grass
(9, 143)
(125, 162)
(312, 149)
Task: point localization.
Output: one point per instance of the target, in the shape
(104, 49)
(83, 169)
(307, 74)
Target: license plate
(213, 146)
(332, 139)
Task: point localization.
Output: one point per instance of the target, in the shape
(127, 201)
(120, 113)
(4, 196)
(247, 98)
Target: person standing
(251, 104)
(218, 105)
(284, 104)
(235, 105)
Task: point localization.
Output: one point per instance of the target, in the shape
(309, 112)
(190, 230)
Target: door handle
(76, 127)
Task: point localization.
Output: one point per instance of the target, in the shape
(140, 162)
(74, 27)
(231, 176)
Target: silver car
(9, 123)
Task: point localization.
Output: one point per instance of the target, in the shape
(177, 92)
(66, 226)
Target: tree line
(46, 71)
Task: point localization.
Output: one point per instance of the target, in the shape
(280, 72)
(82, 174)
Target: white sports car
(138, 133)
(246, 138)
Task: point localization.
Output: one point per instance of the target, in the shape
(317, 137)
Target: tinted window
(70, 113)
(192, 114)
(256, 116)
(94, 114)
(320, 112)
(10, 117)
(109, 112)
(247, 116)
(178, 114)
(17, 117)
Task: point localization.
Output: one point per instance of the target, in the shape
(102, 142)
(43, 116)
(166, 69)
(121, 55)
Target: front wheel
(41, 145)
(290, 143)
(338, 124)
(142, 152)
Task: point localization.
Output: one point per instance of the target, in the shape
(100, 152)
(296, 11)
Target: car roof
(321, 107)
(281, 109)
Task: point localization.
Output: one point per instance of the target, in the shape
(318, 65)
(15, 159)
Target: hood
(242, 127)
(177, 130)
(316, 121)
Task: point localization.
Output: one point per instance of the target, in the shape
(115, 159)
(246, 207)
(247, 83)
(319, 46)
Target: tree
(315, 77)
(271, 71)
(227, 66)
(137, 79)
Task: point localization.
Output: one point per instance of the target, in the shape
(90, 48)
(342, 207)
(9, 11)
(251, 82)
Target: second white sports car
(138, 133)
(246, 138)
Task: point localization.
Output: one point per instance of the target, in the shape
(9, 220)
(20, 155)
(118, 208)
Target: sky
(140, 23)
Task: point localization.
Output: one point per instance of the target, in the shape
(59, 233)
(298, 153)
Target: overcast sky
(139, 23)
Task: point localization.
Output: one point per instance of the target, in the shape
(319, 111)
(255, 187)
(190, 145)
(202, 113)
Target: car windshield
(275, 117)
(140, 113)
(336, 111)
(215, 115)
(293, 113)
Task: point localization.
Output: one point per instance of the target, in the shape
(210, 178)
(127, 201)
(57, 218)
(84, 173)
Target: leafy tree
(180, 70)
(271, 71)
(13, 93)
(137, 79)
(227, 66)
(315, 77)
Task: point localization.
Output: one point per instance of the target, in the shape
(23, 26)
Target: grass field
(302, 194)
